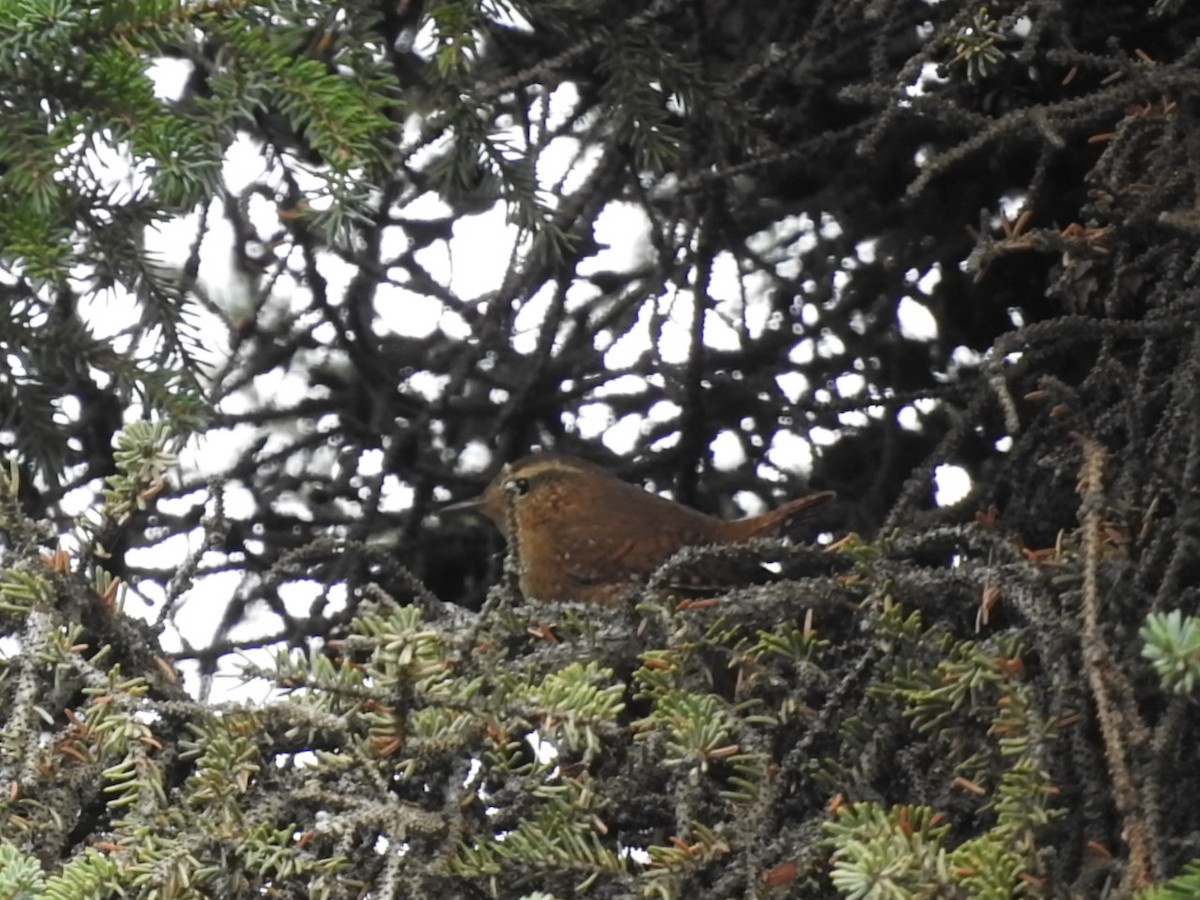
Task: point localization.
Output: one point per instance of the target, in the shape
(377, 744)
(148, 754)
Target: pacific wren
(577, 532)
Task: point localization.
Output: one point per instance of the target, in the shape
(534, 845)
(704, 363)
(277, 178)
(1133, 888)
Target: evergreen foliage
(260, 418)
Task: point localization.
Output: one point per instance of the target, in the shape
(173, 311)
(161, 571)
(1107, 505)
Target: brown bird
(578, 532)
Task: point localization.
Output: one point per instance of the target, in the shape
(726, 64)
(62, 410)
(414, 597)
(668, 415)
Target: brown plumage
(580, 533)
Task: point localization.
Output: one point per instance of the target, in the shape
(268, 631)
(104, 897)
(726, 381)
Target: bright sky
(471, 264)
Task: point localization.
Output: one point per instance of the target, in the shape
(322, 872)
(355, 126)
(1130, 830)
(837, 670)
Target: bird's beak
(475, 504)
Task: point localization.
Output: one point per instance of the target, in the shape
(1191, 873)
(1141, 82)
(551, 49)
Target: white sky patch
(581, 294)
(474, 272)
(427, 207)
(175, 546)
(622, 437)
(208, 455)
(916, 321)
(725, 279)
(171, 240)
(924, 281)
(563, 102)
(196, 614)
(245, 165)
(727, 451)
(66, 409)
(790, 267)
(930, 280)
(831, 345)
(719, 334)
(965, 356)
(593, 420)
(823, 437)
(110, 162)
(397, 495)
(665, 411)
(793, 385)
(284, 388)
(752, 505)
(951, 484)
(559, 159)
(228, 685)
(170, 77)
(262, 213)
(909, 417)
(796, 235)
(928, 75)
(624, 230)
(508, 15)
(406, 312)
(370, 463)
(1012, 205)
(675, 330)
(790, 452)
(428, 385)
(741, 301)
(545, 751)
(667, 441)
(583, 164)
(527, 326)
(81, 498)
(629, 347)
(830, 228)
(758, 314)
(850, 384)
(622, 385)
(474, 458)
(299, 596)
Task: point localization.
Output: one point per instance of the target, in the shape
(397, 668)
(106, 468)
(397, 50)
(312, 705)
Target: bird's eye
(518, 487)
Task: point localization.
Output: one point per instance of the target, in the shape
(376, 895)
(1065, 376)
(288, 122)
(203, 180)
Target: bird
(577, 532)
